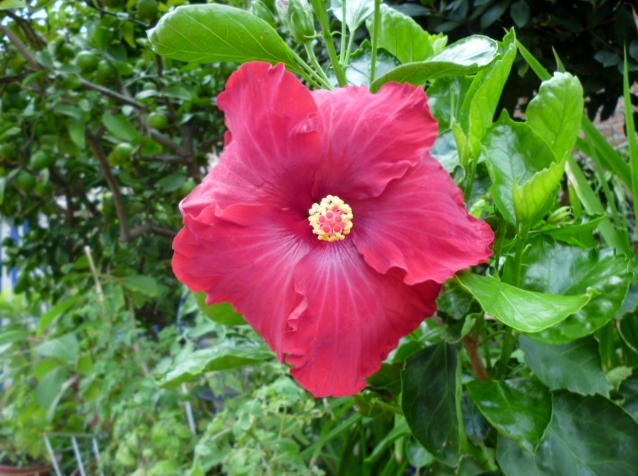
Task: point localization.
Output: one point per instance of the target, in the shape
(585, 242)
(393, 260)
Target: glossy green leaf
(223, 313)
(479, 104)
(58, 310)
(519, 408)
(579, 234)
(629, 391)
(534, 198)
(64, 348)
(359, 69)
(215, 32)
(587, 436)
(229, 354)
(575, 366)
(514, 155)
(430, 394)
(446, 97)
(356, 11)
(120, 126)
(556, 268)
(464, 57)
(556, 111)
(404, 38)
(524, 310)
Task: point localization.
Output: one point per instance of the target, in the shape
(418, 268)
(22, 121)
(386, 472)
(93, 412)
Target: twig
(118, 199)
(470, 344)
(21, 47)
(169, 143)
(110, 93)
(152, 228)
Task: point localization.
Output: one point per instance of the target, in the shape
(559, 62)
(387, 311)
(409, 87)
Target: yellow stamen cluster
(331, 219)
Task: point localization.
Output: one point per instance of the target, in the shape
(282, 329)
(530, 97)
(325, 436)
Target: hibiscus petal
(370, 139)
(420, 225)
(353, 318)
(245, 255)
(274, 146)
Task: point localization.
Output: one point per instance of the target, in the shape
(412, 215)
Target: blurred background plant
(100, 138)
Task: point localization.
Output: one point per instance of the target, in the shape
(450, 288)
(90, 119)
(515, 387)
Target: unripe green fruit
(147, 9)
(41, 160)
(157, 120)
(8, 151)
(187, 187)
(87, 61)
(106, 73)
(25, 181)
(121, 154)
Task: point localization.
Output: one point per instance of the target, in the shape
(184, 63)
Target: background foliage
(527, 368)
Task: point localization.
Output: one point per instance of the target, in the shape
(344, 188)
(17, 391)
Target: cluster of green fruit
(146, 9)
(33, 178)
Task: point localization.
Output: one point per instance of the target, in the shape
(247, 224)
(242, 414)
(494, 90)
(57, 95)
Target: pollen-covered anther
(331, 219)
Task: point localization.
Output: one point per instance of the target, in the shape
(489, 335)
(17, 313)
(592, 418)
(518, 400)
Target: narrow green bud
(298, 18)
(261, 10)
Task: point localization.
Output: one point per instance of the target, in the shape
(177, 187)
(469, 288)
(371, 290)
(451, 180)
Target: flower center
(330, 219)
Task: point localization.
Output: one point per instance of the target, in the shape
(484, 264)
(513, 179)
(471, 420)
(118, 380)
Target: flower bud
(261, 10)
(561, 216)
(298, 18)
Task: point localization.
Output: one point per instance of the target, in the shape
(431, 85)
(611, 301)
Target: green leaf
(229, 354)
(146, 285)
(514, 155)
(13, 335)
(629, 391)
(404, 38)
(523, 310)
(538, 194)
(556, 111)
(556, 268)
(579, 234)
(120, 126)
(57, 311)
(50, 386)
(464, 57)
(520, 408)
(64, 348)
(10, 4)
(356, 11)
(430, 390)
(480, 101)
(214, 32)
(575, 366)
(223, 313)
(77, 132)
(359, 69)
(587, 436)
(172, 182)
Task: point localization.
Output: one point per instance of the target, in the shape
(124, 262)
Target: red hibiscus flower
(326, 223)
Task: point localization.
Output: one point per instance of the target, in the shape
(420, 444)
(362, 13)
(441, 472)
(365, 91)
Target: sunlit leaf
(215, 32)
(524, 310)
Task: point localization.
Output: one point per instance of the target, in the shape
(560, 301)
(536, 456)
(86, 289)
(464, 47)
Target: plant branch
(118, 199)
(471, 346)
(169, 143)
(110, 93)
(21, 47)
(150, 228)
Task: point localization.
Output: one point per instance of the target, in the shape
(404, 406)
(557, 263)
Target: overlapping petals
(333, 310)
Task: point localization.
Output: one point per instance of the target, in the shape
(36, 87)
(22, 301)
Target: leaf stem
(320, 73)
(344, 32)
(322, 15)
(375, 39)
(310, 74)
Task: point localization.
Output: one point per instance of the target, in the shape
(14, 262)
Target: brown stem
(471, 345)
(118, 199)
(110, 93)
(151, 228)
(21, 47)
(168, 143)
(34, 39)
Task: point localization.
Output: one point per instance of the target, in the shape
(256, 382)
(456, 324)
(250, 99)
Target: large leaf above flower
(218, 33)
